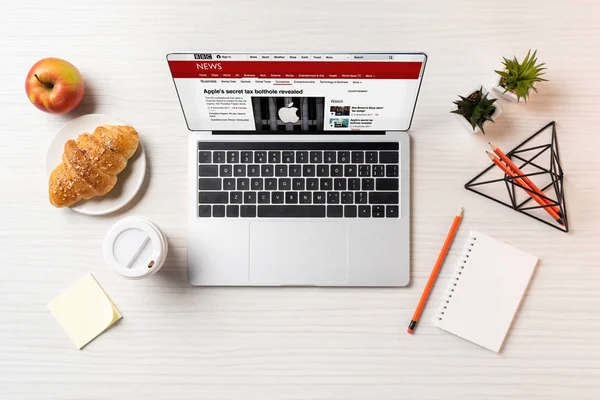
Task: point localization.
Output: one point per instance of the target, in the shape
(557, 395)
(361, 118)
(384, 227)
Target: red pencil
(526, 179)
(521, 182)
(436, 271)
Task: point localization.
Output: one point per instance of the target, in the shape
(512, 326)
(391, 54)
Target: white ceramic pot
(466, 123)
(499, 90)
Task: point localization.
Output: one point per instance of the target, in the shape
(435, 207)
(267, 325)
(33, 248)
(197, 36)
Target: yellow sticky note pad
(84, 311)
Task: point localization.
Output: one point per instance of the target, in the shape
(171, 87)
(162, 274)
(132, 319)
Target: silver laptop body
(343, 219)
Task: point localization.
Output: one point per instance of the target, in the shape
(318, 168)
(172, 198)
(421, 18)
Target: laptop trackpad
(298, 253)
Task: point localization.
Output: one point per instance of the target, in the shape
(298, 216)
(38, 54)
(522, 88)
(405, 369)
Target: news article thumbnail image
(288, 113)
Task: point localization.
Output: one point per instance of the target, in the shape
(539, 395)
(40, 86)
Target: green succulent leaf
(475, 108)
(520, 78)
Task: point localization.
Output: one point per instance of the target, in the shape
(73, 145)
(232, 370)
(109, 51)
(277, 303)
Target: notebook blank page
(488, 291)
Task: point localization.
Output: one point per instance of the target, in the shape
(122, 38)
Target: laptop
(298, 166)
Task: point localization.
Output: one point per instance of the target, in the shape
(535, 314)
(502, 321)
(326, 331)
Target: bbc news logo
(203, 56)
(208, 66)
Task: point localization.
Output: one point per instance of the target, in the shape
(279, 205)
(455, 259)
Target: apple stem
(48, 85)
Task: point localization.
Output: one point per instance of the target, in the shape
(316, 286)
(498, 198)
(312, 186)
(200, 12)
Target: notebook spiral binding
(455, 280)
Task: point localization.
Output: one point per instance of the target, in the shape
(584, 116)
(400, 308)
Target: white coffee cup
(135, 248)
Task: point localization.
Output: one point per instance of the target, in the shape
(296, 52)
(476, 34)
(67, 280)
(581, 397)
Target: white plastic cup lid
(135, 248)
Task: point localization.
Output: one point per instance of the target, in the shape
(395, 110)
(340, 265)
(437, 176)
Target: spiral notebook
(485, 292)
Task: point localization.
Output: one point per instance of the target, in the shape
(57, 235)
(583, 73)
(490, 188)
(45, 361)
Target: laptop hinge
(352, 132)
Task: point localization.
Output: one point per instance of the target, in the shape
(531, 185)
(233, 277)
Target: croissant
(90, 164)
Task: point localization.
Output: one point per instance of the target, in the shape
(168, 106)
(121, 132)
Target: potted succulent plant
(476, 110)
(518, 79)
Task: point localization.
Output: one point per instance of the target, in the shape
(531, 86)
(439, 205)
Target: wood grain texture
(177, 342)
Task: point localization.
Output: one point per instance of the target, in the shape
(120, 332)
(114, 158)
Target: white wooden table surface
(180, 342)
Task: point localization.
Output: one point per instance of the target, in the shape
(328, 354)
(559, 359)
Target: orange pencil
(526, 179)
(520, 181)
(436, 271)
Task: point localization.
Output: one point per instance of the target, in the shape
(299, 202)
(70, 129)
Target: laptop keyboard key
(350, 211)
(387, 184)
(388, 157)
(312, 184)
(316, 157)
(291, 211)
(337, 170)
(383, 197)
(305, 197)
(218, 211)
(298, 184)
(229, 184)
(264, 198)
(253, 170)
(287, 157)
(209, 184)
(308, 170)
(295, 170)
(335, 211)
(378, 211)
(249, 197)
(218, 157)
(247, 157)
(391, 170)
(343, 157)
(204, 210)
(285, 183)
(208, 170)
(266, 170)
(204, 157)
(243, 184)
(233, 157)
(239, 170)
(291, 197)
(364, 170)
(248, 211)
(378, 171)
(277, 198)
(235, 197)
(233, 211)
(371, 157)
(256, 184)
(225, 170)
(339, 184)
(364, 211)
(368, 184)
(302, 157)
(274, 157)
(354, 184)
(333, 197)
(213, 197)
(347, 198)
(329, 157)
(281, 170)
(319, 197)
(270, 183)
(350, 170)
(391, 211)
(360, 197)
(260, 157)
(358, 157)
(323, 170)
(326, 183)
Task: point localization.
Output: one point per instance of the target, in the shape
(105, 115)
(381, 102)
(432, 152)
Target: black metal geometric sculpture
(529, 160)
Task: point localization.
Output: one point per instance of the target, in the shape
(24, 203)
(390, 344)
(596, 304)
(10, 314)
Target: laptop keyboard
(298, 180)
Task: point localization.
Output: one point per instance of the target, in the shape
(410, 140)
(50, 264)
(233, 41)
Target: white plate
(129, 181)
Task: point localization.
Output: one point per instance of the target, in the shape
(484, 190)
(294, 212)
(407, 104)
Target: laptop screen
(294, 93)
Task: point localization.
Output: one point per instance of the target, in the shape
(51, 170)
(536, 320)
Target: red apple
(54, 85)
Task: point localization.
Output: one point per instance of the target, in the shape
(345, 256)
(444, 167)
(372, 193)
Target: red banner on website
(408, 70)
